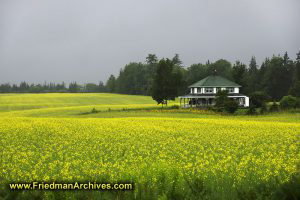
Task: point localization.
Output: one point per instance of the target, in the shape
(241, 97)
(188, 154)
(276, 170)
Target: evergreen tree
(253, 78)
(277, 78)
(101, 87)
(239, 73)
(297, 68)
(111, 84)
(74, 87)
(176, 60)
(295, 87)
(132, 79)
(151, 61)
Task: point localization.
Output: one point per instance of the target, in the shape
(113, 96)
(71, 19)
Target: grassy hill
(11, 102)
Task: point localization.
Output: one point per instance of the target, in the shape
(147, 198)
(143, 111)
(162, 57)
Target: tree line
(73, 87)
(277, 77)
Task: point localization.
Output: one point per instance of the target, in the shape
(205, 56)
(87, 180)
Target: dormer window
(209, 90)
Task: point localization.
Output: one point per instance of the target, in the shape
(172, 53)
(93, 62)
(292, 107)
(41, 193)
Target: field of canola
(167, 156)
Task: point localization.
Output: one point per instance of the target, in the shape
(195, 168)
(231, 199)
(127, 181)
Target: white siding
(191, 90)
(195, 90)
(246, 101)
(214, 90)
(236, 90)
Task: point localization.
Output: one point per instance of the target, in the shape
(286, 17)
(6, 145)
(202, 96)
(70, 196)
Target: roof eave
(213, 86)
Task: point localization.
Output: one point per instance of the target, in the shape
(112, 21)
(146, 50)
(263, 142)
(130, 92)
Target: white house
(203, 92)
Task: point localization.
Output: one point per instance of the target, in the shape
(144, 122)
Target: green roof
(215, 81)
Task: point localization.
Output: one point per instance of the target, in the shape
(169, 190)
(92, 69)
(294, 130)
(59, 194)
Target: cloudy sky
(87, 40)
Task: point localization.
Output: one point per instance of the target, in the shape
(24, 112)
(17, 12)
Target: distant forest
(277, 77)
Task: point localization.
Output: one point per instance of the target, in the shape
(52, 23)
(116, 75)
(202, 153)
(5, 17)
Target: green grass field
(167, 154)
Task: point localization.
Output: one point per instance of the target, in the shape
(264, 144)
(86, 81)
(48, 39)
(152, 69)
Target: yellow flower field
(158, 153)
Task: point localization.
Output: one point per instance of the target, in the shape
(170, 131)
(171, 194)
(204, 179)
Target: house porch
(190, 101)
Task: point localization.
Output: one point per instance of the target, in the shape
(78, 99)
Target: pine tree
(253, 76)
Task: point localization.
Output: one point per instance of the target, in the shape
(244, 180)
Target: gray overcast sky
(87, 40)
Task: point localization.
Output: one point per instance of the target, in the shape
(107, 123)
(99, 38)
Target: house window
(242, 101)
(199, 90)
(218, 89)
(208, 90)
(195, 90)
(230, 90)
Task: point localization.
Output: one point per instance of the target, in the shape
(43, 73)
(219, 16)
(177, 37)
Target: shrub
(251, 110)
(298, 103)
(263, 109)
(231, 106)
(274, 107)
(258, 99)
(174, 107)
(221, 98)
(94, 110)
(288, 102)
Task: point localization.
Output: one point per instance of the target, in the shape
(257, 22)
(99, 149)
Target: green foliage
(252, 76)
(288, 102)
(94, 110)
(222, 68)
(221, 99)
(166, 82)
(274, 107)
(91, 87)
(289, 190)
(239, 74)
(225, 103)
(231, 106)
(251, 110)
(261, 191)
(258, 99)
(298, 102)
(175, 107)
(176, 60)
(111, 84)
(151, 59)
(74, 87)
(263, 109)
(132, 79)
(278, 77)
(196, 72)
(295, 89)
(151, 66)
